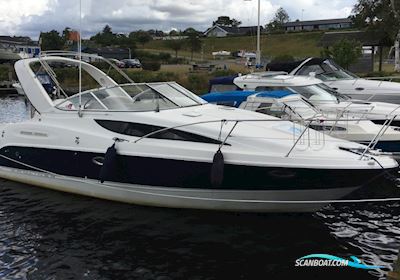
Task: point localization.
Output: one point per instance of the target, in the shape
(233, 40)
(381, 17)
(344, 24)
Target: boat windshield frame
(164, 95)
(292, 104)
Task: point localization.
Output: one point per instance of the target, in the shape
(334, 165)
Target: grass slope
(296, 44)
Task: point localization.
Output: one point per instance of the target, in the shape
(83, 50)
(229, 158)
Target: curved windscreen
(300, 108)
(315, 93)
(133, 97)
(326, 71)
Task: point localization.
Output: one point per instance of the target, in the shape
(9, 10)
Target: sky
(30, 17)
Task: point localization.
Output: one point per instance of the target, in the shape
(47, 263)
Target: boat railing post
(229, 134)
(298, 139)
(380, 133)
(384, 131)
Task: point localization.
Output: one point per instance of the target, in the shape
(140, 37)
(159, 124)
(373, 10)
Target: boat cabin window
(133, 97)
(140, 130)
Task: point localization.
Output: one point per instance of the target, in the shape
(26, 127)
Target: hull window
(140, 130)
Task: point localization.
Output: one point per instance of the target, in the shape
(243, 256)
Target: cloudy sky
(29, 17)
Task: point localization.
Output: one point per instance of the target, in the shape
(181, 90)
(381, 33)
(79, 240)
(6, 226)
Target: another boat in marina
(288, 105)
(19, 88)
(320, 95)
(158, 144)
(15, 48)
(44, 79)
(342, 80)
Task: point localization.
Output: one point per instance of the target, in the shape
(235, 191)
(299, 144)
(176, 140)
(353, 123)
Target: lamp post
(258, 52)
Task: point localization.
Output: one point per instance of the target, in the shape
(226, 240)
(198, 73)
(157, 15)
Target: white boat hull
(222, 200)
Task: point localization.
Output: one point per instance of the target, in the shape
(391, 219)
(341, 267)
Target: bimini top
(236, 98)
(105, 93)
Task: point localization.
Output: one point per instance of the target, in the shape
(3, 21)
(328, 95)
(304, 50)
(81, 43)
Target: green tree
(125, 42)
(174, 33)
(193, 42)
(281, 17)
(51, 40)
(175, 45)
(190, 30)
(141, 36)
(379, 19)
(65, 34)
(227, 21)
(345, 52)
(105, 38)
(396, 9)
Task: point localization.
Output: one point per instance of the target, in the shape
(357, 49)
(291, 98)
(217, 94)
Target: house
(324, 24)
(223, 31)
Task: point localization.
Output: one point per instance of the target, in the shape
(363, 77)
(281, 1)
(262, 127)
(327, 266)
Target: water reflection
(13, 108)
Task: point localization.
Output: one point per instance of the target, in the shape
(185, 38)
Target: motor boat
(342, 80)
(287, 104)
(44, 79)
(18, 88)
(320, 95)
(158, 144)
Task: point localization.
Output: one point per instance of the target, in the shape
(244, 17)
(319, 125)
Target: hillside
(296, 44)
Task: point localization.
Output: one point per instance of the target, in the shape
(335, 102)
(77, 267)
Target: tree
(281, 17)
(190, 30)
(126, 42)
(141, 36)
(227, 21)
(345, 52)
(105, 38)
(65, 34)
(175, 45)
(174, 32)
(194, 43)
(396, 9)
(378, 18)
(156, 33)
(51, 40)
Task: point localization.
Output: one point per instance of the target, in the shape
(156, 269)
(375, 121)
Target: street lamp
(258, 52)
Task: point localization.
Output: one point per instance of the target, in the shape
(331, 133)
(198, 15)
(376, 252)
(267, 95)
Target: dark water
(51, 235)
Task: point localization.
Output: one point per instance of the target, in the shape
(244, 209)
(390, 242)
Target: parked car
(132, 63)
(117, 62)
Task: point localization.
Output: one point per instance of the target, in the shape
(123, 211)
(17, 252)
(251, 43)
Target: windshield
(327, 71)
(315, 93)
(300, 108)
(133, 97)
(340, 96)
